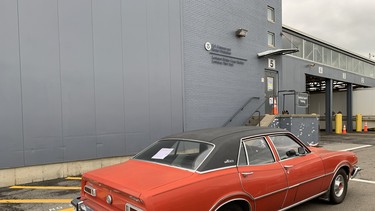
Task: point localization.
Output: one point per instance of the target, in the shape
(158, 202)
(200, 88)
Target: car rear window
(179, 153)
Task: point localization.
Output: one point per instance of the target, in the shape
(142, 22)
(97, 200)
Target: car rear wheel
(339, 187)
(231, 207)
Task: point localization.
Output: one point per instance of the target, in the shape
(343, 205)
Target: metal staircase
(239, 118)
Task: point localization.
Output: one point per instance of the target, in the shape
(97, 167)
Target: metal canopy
(318, 84)
(278, 52)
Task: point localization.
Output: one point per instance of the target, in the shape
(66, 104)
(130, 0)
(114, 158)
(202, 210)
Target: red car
(237, 169)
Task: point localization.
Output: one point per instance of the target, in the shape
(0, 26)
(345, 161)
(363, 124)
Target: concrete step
(267, 120)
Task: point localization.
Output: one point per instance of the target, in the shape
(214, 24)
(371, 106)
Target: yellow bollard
(338, 119)
(358, 127)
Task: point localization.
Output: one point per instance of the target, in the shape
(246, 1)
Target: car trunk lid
(135, 177)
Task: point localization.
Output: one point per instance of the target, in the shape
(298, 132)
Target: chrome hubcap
(339, 185)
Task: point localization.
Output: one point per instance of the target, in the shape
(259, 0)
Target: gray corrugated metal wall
(83, 79)
(87, 79)
(213, 93)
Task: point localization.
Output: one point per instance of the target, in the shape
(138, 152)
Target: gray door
(271, 83)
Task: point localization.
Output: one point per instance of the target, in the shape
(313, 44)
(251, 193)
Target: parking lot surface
(54, 195)
(49, 195)
(360, 195)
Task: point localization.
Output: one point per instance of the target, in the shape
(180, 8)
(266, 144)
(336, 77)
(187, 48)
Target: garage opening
(333, 96)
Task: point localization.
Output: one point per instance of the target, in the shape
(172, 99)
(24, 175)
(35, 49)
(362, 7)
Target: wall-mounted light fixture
(241, 32)
(310, 65)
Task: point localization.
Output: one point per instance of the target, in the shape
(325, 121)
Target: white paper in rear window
(163, 152)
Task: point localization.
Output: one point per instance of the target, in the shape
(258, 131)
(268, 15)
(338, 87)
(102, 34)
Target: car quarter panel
(135, 176)
(201, 191)
(333, 161)
(127, 181)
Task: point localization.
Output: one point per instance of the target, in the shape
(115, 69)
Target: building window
(369, 70)
(308, 50)
(271, 14)
(352, 64)
(318, 53)
(286, 40)
(298, 43)
(335, 59)
(327, 56)
(342, 61)
(271, 39)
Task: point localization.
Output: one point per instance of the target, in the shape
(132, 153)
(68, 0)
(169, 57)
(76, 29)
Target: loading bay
(55, 195)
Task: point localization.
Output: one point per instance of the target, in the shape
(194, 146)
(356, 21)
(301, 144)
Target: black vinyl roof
(213, 134)
(227, 143)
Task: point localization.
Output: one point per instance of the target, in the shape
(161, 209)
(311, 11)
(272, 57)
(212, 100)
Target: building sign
(269, 84)
(270, 100)
(272, 63)
(221, 55)
(302, 100)
(320, 70)
(207, 46)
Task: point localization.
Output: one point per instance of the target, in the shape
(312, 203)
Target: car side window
(258, 152)
(287, 147)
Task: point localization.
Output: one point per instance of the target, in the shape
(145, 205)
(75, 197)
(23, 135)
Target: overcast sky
(349, 24)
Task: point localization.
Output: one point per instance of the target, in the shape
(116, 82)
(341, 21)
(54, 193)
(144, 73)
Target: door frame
(271, 89)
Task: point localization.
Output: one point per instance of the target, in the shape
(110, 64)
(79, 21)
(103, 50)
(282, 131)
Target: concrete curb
(22, 175)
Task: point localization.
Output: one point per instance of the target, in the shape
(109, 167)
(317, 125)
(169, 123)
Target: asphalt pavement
(51, 195)
(349, 138)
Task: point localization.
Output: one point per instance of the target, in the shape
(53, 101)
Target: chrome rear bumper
(355, 171)
(78, 205)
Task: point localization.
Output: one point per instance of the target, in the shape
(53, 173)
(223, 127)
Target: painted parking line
(73, 178)
(354, 148)
(22, 201)
(68, 209)
(364, 181)
(47, 187)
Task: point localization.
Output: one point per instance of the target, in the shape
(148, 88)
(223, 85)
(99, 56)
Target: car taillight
(130, 207)
(90, 190)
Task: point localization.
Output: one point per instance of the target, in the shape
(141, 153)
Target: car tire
(339, 187)
(231, 207)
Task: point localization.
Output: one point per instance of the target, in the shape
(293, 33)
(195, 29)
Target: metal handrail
(257, 111)
(258, 116)
(241, 109)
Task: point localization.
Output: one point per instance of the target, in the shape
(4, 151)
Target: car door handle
(286, 167)
(245, 174)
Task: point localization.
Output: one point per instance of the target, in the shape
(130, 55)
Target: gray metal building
(87, 79)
